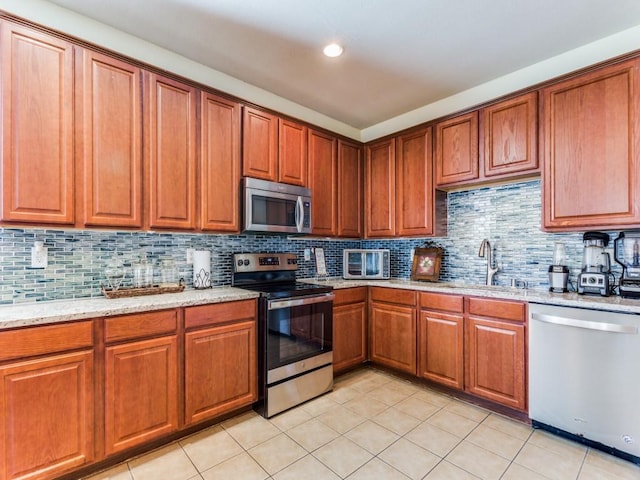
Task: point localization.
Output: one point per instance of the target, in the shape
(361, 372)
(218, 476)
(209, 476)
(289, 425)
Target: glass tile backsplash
(507, 215)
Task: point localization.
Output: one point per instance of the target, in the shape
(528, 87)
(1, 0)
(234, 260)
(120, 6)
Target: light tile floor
(374, 426)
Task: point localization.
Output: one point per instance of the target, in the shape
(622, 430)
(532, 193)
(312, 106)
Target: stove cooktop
(285, 290)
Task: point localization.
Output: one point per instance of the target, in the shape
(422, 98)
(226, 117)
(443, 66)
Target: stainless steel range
(295, 331)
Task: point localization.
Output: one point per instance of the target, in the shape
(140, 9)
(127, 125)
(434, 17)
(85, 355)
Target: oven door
(299, 328)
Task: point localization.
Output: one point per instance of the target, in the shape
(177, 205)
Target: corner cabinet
(350, 190)
(591, 150)
(349, 328)
(323, 182)
(380, 189)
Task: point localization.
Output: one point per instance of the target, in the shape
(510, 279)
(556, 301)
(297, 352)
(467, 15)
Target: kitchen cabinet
(141, 378)
(219, 164)
(495, 349)
(380, 189)
(441, 339)
(323, 182)
(292, 153)
(457, 149)
(37, 132)
(109, 139)
(46, 400)
(170, 152)
(392, 323)
(350, 189)
(349, 328)
(220, 359)
(509, 137)
(590, 146)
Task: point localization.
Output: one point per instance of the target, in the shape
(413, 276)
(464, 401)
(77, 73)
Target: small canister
(168, 273)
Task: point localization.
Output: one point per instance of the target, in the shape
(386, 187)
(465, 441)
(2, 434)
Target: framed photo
(426, 264)
(321, 266)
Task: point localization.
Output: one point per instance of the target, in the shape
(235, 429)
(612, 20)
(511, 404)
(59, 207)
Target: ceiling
(399, 55)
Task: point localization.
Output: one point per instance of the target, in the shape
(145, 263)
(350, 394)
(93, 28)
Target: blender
(596, 265)
(558, 272)
(627, 254)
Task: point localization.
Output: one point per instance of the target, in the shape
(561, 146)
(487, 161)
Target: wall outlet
(307, 254)
(39, 255)
(190, 255)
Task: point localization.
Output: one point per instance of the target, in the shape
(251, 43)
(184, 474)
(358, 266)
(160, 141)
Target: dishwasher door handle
(586, 324)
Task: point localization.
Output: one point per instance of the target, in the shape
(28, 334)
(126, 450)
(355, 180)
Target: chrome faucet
(490, 270)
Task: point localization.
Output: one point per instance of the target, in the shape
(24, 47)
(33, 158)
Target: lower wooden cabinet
(349, 328)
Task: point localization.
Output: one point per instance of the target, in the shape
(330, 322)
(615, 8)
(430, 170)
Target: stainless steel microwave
(276, 207)
(366, 263)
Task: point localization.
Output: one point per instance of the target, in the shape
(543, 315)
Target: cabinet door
(414, 184)
(591, 148)
(510, 136)
(141, 383)
(349, 335)
(259, 144)
(393, 336)
(441, 348)
(219, 164)
(350, 190)
(496, 362)
(323, 176)
(380, 189)
(292, 156)
(109, 140)
(457, 149)
(37, 127)
(46, 416)
(170, 152)
(220, 370)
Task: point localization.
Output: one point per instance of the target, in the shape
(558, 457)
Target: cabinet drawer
(505, 309)
(439, 301)
(27, 342)
(218, 313)
(393, 295)
(350, 295)
(140, 325)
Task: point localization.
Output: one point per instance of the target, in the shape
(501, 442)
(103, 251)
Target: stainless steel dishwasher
(584, 376)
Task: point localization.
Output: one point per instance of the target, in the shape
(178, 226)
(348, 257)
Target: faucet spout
(485, 251)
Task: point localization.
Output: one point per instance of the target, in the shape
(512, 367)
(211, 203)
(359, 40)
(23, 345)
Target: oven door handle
(297, 302)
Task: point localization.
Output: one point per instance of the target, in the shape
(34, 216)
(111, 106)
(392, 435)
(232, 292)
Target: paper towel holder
(201, 269)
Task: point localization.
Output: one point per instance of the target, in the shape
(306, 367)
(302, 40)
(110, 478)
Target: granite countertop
(37, 313)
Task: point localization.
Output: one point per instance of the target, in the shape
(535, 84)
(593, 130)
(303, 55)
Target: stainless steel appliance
(559, 272)
(627, 254)
(596, 265)
(295, 331)
(583, 379)
(276, 207)
(366, 263)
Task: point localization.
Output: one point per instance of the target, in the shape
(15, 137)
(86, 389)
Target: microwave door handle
(299, 214)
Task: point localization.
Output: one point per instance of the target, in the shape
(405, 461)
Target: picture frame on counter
(426, 264)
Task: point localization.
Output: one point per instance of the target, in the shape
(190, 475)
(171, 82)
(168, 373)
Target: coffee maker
(596, 265)
(627, 254)
(558, 272)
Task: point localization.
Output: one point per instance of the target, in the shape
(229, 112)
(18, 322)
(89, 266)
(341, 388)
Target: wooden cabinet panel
(456, 149)
(439, 301)
(140, 325)
(343, 296)
(219, 313)
(393, 336)
(220, 370)
(170, 152)
(496, 361)
(510, 136)
(323, 182)
(259, 144)
(37, 127)
(393, 295)
(350, 188)
(441, 348)
(27, 342)
(109, 139)
(46, 416)
(591, 149)
(494, 308)
(380, 189)
(141, 392)
(350, 331)
(292, 153)
(219, 164)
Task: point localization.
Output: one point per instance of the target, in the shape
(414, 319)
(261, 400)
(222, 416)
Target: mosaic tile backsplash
(508, 215)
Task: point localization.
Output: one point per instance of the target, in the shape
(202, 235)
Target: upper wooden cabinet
(170, 152)
(350, 189)
(456, 149)
(323, 182)
(219, 164)
(109, 139)
(591, 149)
(509, 134)
(37, 127)
(380, 189)
(292, 152)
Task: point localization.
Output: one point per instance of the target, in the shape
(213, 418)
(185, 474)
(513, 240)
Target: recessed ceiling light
(332, 50)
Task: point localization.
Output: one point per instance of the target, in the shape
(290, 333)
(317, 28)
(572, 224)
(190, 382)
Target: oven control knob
(246, 262)
(239, 263)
